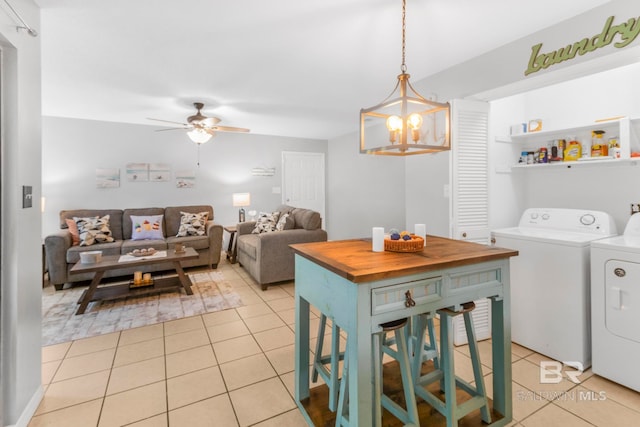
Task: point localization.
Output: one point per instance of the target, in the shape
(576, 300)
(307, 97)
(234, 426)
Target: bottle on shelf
(598, 147)
(573, 151)
(614, 147)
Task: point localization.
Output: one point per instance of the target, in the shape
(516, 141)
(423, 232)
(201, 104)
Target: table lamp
(241, 200)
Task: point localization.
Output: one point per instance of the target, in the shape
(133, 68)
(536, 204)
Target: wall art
(159, 172)
(137, 172)
(185, 179)
(107, 178)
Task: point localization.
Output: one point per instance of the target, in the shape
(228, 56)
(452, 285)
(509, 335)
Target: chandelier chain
(403, 67)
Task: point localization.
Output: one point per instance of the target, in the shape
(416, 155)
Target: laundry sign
(620, 35)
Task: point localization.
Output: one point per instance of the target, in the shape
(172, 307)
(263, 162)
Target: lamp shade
(241, 199)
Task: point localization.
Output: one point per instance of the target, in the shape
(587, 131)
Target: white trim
(29, 409)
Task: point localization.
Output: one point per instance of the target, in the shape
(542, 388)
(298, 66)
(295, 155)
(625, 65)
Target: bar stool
(421, 323)
(380, 347)
(320, 361)
(446, 371)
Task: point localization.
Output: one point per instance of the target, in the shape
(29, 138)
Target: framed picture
(185, 179)
(137, 172)
(159, 172)
(107, 178)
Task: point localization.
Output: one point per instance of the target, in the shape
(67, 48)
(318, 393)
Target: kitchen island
(360, 289)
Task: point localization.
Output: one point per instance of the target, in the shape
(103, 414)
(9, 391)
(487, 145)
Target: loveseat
(127, 230)
(263, 245)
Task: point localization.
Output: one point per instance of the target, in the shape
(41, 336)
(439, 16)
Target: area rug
(60, 323)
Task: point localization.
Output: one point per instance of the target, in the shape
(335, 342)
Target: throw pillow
(285, 222)
(266, 222)
(93, 230)
(193, 224)
(73, 229)
(146, 227)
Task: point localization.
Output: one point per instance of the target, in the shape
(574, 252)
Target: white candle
(378, 239)
(137, 277)
(421, 230)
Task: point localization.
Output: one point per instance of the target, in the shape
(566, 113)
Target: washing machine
(550, 279)
(615, 306)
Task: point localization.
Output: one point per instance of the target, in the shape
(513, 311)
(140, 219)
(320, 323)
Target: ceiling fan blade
(162, 130)
(229, 129)
(168, 121)
(210, 121)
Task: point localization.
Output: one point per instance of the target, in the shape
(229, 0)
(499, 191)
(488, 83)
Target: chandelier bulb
(414, 121)
(394, 123)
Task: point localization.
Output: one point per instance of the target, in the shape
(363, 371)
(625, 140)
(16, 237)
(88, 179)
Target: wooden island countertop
(355, 261)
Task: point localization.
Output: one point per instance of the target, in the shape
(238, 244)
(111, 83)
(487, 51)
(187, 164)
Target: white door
(470, 171)
(470, 195)
(303, 181)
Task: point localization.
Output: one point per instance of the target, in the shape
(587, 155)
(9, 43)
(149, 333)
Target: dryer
(550, 294)
(615, 306)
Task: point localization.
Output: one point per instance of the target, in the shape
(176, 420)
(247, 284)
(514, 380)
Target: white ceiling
(300, 68)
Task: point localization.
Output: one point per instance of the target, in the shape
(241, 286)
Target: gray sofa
(61, 255)
(267, 257)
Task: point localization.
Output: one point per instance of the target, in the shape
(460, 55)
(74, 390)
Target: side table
(232, 250)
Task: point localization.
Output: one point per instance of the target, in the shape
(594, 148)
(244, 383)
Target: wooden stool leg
(407, 380)
(449, 379)
(319, 361)
(319, 344)
(477, 366)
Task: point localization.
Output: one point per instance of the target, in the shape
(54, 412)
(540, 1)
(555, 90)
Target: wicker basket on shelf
(414, 245)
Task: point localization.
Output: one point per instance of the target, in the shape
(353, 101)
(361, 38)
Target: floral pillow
(193, 224)
(93, 230)
(266, 222)
(147, 227)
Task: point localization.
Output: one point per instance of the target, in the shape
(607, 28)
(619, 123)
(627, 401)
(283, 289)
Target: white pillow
(148, 227)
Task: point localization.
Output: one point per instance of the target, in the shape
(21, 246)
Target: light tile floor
(235, 368)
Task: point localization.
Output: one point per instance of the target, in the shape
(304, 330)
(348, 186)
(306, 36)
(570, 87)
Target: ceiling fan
(200, 127)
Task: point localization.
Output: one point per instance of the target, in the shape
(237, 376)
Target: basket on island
(415, 244)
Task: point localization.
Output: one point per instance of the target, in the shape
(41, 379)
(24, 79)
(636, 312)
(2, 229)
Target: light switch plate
(27, 196)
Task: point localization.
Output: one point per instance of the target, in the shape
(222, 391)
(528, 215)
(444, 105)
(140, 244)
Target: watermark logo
(552, 372)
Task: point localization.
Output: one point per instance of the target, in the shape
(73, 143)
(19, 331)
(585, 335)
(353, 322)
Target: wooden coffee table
(95, 292)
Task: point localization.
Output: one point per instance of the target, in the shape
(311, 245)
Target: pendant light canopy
(405, 122)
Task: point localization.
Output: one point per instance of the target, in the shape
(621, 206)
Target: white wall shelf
(634, 161)
(624, 129)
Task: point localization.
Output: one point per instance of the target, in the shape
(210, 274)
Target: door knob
(464, 234)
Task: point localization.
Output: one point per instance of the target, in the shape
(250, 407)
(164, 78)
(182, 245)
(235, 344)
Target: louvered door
(470, 195)
(469, 171)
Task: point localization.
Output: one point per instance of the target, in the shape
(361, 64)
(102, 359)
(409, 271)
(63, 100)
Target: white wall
(575, 103)
(20, 304)
(363, 191)
(73, 149)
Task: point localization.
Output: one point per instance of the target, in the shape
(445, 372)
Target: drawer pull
(408, 302)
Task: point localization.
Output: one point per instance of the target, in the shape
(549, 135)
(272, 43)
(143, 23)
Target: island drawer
(393, 297)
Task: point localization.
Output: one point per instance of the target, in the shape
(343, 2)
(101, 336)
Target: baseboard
(30, 409)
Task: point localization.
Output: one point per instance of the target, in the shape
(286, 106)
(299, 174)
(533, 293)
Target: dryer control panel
(572, 220)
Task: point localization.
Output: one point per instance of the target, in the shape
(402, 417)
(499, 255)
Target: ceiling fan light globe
(199, 135)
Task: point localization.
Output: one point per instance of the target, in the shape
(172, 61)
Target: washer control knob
(545, 216)
(587, 219)
(534, 215)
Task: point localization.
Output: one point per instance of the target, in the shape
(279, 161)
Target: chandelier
(405, 122)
